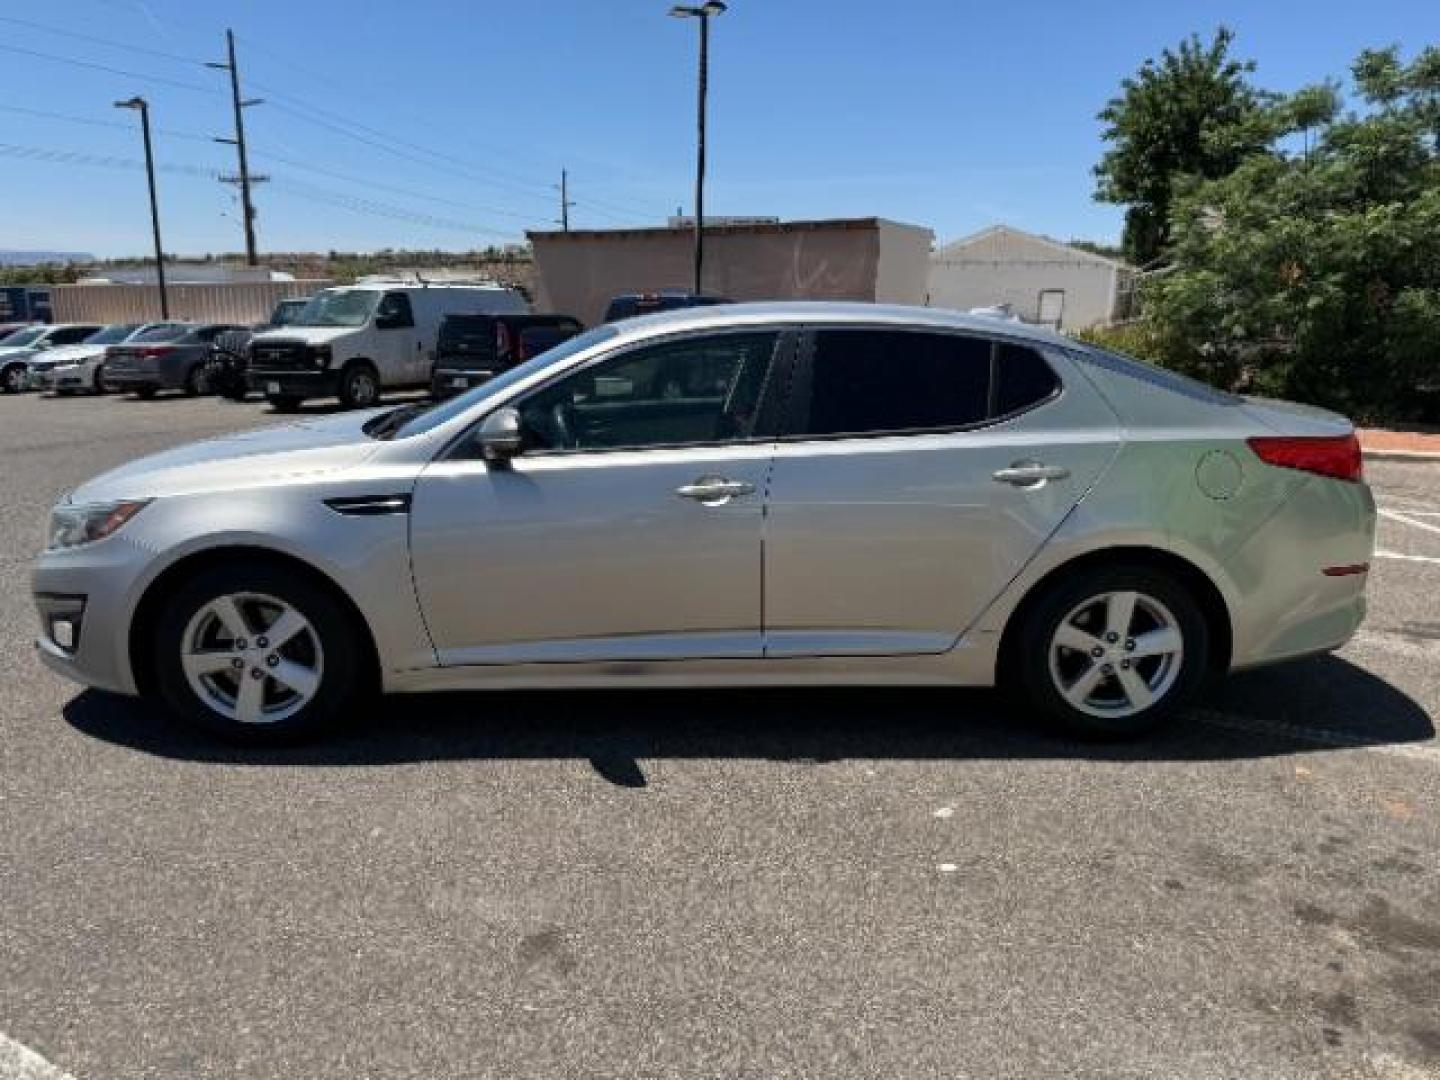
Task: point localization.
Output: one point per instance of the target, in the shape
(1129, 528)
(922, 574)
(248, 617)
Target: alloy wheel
(252, 658)
(1116, 654)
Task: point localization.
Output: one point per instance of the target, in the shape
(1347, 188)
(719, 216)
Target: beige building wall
(1007, 266)
(233, 302)
(864, 259)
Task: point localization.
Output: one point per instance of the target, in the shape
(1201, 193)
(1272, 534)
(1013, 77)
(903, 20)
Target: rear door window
(868, 381)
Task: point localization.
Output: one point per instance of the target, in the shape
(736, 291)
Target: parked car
(473, 348)
(355, 341)
(18, 348)
(229, 362)
(68, 368)
(844, 493)
(166, 358)
(629, 305)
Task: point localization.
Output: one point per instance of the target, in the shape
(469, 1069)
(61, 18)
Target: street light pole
(704, 12)
(143, 106)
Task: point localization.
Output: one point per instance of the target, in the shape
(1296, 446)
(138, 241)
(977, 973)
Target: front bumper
(293, 382)
(102, 580)
(39, 380)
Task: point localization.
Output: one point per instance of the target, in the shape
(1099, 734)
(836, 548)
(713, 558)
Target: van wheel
(1111, 652)
(257, 653)
(359, 386)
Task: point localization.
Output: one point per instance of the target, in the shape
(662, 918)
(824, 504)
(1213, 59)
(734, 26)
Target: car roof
(823, 311)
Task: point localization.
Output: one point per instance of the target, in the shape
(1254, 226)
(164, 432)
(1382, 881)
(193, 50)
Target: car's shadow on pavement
(1312, 705)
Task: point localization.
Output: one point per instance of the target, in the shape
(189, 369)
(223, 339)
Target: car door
(919, 472)
(395, 340)
(628, 528)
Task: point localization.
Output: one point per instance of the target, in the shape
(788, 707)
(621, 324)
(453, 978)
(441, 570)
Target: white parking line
(18, 1062)
(1393, 516)
(1406, 558)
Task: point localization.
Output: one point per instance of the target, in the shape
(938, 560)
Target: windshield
(288, 312)
(162, 333)
(22, 337)
(338, 307)
(436, 415)
(110, 335)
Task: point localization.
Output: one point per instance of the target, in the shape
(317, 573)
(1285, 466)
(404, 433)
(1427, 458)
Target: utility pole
(705, 12)
(565, 203)
(140, 104)
(243, 178)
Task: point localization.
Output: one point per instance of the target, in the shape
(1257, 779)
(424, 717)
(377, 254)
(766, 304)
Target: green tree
(1316, 274)
(1191, 113)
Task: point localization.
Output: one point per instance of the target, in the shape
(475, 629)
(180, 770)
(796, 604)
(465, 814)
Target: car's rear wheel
(359, 386)
(1110, 653)
(257, 652)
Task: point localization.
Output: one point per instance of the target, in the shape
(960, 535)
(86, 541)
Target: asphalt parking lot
(738, 884)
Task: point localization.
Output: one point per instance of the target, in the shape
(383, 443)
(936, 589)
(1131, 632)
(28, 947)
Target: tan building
(1037, 279)
(871, 259)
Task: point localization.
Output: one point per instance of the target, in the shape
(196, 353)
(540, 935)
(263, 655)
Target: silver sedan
(756, 494)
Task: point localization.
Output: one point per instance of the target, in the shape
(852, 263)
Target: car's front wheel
(359, 386)
(12, 379)
(257, 652)
(1111, 652)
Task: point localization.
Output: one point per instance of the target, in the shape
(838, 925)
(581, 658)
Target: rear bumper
(447, 382)
(1287, 605)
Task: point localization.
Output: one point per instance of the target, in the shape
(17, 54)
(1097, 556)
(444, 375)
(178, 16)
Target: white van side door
(394, 338)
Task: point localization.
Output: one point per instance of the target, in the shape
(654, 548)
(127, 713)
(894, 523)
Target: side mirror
(499, 435)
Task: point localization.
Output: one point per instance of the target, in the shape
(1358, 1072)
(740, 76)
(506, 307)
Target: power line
(296, 188)
(93, 122)
(314, 114)
(140, 50)
(161, 80)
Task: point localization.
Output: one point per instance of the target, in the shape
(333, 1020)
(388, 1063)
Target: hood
(233, 462)
(73, 354)
(311, 335)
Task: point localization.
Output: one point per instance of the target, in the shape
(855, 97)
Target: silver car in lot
(757, 494)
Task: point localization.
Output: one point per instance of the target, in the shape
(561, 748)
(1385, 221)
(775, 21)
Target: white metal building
(1038, 279)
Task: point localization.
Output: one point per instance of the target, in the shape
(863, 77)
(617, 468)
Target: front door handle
(1027, 474)
(714, 490)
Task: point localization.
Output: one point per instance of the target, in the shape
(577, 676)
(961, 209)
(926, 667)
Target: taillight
(155, 350)
(1337, 456)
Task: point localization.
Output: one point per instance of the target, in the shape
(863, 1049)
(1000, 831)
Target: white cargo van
(356, 340)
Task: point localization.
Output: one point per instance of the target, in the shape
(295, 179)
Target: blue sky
(949, 115)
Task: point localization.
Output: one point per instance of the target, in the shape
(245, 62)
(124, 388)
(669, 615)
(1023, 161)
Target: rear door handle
(1030, 474)
(714, 490)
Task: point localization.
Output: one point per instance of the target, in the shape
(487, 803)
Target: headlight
(321, 355)
(71, 526)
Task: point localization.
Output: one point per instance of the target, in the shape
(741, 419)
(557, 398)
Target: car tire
(12, 379)
(206, 665)
(197, 381)
(359, 386)
(285, 403)
(1110, 653)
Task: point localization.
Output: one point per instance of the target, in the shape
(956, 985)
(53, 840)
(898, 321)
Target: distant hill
(35, 258)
